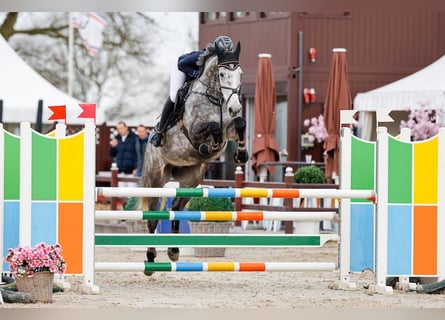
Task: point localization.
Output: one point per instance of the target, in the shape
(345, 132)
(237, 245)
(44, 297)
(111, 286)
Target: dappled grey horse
(211, 117)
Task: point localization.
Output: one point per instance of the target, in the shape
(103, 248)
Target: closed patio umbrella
(265, 147)
(338, 97)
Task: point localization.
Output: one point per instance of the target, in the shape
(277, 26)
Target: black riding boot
(156, 137)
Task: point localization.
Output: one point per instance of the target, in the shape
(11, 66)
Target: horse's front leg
(241, 155)
(204, 130)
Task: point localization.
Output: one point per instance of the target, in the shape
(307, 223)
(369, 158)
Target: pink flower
(26, 261)
(422, 122)
(317, 128)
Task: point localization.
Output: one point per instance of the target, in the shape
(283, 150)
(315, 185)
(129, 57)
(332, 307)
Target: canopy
(21, 88)
(424, 87)
(338, 97)
(265, 148)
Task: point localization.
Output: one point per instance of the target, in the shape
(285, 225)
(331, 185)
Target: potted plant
(135, 226)
(307, 175)
(200, 227)
(34, 268)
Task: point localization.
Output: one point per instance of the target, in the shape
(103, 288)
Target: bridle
(219, 99)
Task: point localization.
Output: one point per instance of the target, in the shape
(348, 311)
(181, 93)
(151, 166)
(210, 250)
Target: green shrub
(131, 203)
(211, 204)
(309, 174)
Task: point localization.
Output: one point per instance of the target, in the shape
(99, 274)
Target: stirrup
(156, 139)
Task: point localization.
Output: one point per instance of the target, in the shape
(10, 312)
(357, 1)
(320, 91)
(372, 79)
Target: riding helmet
(224, 43)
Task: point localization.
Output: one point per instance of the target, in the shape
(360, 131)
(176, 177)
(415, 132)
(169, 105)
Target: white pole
(25, 184)
(345, 208)
(381, 249)
(88, 207)
(70, 54)
(405, 136)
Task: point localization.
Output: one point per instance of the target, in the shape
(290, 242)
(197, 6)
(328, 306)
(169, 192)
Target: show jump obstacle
(392, 208)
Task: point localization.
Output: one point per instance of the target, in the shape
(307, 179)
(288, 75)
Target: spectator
(123, 149)
(141, 145)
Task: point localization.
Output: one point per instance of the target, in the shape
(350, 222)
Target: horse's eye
(221, 75)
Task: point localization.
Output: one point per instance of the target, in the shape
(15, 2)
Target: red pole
(288, 202)
(239, 178)
(114, 180)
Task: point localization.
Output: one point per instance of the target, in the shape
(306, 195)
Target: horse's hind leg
(188, 177)
(178, 204)
(152, 224)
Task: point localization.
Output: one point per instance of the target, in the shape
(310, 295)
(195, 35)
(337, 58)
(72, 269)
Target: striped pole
(215, 215)
(234, 193)
(214, 266)
(211, 240)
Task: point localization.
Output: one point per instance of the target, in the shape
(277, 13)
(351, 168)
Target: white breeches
(177, 79)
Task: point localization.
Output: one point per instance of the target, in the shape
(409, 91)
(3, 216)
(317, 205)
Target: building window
(240, 14)
(210, 17)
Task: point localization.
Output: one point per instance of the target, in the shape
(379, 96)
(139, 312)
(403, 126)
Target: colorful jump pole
(215, 215)
(214, 266)
(234, 193)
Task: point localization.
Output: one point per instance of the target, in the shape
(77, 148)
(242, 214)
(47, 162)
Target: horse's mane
(208, 52)
(207, 61)
(209, 75)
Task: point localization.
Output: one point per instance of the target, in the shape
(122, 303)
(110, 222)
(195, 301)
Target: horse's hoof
(151, 255)
(149, 273)
(204, 149)
(173, 254)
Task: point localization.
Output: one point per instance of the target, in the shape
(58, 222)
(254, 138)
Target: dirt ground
(231, 290)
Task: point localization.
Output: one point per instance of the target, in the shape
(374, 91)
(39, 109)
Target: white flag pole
(70, 54)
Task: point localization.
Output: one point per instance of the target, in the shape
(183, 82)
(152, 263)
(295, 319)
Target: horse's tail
(142, 204)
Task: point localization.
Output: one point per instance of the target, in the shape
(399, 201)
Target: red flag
(88, 111)
(59, 113)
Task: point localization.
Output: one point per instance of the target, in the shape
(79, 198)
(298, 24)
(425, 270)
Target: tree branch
(7, 28)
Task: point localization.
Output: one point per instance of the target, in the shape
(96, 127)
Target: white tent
(425, 87)
(21, 87)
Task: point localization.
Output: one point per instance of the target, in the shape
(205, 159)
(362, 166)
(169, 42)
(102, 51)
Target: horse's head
(229, 77)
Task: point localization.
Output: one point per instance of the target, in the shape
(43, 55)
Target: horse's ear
(238, 49)
(219, 52)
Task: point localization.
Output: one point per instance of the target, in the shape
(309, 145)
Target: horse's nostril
(230, 110)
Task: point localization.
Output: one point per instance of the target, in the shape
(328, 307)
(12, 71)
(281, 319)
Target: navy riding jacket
(187, 64)
(125, 153)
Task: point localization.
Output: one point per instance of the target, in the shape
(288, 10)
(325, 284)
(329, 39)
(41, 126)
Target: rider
(187, 69)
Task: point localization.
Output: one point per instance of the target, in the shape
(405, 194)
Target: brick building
(381, 47)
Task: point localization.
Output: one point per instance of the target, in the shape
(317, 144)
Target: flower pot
(210, 227)
(39, 286)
